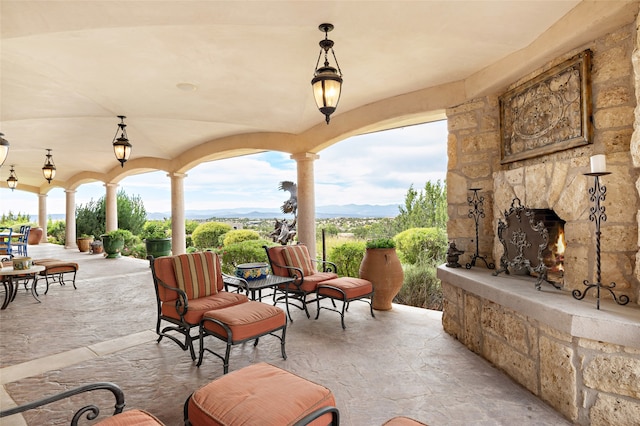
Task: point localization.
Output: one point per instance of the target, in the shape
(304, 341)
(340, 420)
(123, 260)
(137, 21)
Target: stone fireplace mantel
(580, 360)
(613, 323)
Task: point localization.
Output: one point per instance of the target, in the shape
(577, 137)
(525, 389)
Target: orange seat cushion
(352, 287)
(55, 266)
(247, 320)
(131, 418)
(198, 307)
(310, 283)
(260, 394)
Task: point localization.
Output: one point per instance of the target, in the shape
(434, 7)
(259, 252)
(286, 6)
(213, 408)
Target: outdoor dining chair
(5, 240)
(21, 244)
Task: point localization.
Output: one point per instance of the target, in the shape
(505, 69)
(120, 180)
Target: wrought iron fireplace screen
(525, 240)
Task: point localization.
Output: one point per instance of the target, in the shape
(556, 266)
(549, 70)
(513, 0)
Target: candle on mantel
(598, 163)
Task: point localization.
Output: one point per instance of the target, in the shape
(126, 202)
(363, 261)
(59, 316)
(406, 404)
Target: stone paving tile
(400, 363)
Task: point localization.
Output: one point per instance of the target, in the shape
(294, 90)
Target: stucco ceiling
(68, 68)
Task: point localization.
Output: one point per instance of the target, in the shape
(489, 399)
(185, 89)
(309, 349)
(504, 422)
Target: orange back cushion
(298, 256)
(198, 274)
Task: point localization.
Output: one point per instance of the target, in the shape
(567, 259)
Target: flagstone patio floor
(399, 363)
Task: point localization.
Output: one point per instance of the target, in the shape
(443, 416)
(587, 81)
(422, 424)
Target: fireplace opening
(553, 255)
(533, 243)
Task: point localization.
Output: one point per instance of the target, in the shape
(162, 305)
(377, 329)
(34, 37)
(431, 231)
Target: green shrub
(56, 231)
(207, 235)
(239, 235)
(421, 287)
(249, 251)
(138, 251)
(155, 230)
(381, 243)
(348, 257)
(190, 226)
(417, 245)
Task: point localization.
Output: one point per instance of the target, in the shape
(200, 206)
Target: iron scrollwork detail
(524, 240)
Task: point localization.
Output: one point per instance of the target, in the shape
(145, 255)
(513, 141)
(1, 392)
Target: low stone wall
(583, 362)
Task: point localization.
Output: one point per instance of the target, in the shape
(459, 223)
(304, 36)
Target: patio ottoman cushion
(260, 394)
(57, 268)
(239, 323)
(345, 289)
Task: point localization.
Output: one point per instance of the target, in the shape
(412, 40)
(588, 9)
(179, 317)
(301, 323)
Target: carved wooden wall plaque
(549, 113)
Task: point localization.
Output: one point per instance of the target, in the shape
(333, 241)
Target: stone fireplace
(583, 362)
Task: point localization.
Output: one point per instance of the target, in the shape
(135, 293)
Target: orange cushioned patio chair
(119, 417)
(187, 286)
(294, 261)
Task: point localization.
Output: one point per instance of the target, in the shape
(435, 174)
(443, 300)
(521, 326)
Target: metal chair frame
(231, 342)
(91, 411)
(294, 289)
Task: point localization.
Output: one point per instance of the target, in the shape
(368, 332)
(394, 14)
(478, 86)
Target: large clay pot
(35, 235)
(84, 244)
(382, 267)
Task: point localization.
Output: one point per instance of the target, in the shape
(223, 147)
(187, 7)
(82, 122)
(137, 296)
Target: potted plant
(156, 239)
(113, 242)
(382, 267)
(84, 242)
(96, 247)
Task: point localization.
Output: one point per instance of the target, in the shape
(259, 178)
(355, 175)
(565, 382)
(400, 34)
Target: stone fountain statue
(284, 232)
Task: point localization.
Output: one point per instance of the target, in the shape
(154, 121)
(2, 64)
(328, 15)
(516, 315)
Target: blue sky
(376, 168)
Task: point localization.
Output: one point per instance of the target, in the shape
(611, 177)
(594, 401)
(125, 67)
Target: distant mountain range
(322, 212)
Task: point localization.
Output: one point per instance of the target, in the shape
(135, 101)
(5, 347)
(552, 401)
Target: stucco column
(178, 236)
(42, 216)
(70, 219)
(111, 206)
(306, 201)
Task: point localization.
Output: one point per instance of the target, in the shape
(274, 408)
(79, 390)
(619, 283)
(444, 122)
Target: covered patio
(400, 363)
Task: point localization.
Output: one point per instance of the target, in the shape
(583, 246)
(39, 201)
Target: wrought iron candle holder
(476, 213)
(597, 214)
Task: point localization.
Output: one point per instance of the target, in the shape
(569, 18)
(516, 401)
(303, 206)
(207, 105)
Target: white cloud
(377, 168)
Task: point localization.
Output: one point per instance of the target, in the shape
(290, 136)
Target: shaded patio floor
(399, 363)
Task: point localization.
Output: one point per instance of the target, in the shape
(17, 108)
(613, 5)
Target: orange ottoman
(346, 289)
(240, 323)
(56, 269)
(260, 394)
(131, 418)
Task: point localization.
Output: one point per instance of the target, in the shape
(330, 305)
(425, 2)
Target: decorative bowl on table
(22, 263)
(252, 271)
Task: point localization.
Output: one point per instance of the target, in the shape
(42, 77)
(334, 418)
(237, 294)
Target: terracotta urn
(35, 235)
(382, 267)
(84, 243)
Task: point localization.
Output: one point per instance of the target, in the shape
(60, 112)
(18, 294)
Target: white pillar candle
(598, 163)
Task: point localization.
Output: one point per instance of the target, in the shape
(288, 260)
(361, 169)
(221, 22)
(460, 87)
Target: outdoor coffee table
(253, 286)
(9, 274)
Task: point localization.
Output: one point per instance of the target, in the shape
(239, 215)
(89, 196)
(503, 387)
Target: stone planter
(96, 247)
(84, 244)
(157, 247)
(382, 267)
(112, 247)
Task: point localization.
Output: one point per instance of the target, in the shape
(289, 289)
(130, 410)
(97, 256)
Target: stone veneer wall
(556, 181)
(589, 380)
(563, 351)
